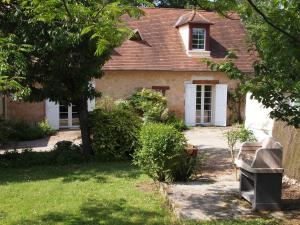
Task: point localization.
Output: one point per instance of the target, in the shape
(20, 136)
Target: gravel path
(46, 144)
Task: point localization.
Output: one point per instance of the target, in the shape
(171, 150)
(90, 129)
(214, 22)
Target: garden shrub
(150, 104)
(238, 133)
(245, 135)
(176, 122)
(66, 152)
(5, 131)
(21, 131)
(63, 153)
(115, 132)
(162, 154)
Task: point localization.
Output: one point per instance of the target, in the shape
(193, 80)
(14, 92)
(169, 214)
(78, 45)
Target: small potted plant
(191, 150)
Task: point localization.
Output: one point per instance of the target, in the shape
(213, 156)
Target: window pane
(198, 113)
(207, 119)
(207, 107)
(75, 122)
(207, 94)
(63, 115)
(198, 38)
(207, 113)
(207, 100)
(63, 123)
(207, 88)
(63, 108)
(74, 108)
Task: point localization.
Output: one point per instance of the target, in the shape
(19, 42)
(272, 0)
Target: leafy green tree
(12, 64)
(273, 29)
(68, 41)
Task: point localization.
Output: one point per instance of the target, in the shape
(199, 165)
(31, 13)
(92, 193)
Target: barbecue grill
(261, 169)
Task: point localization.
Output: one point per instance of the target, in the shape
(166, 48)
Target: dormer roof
(136, 36)
(192, 17)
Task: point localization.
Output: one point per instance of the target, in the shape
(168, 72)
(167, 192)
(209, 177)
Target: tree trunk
(84, 127)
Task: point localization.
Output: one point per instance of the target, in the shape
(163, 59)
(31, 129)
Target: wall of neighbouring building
(121, 84)
(257, 118)
(29, 112)
(289, 137)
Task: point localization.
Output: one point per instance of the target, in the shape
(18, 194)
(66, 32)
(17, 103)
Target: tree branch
(268, 21)
(67, 9)
(218, 11)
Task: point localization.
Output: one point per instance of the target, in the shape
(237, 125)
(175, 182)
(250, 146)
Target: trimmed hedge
(150, 104)
(115, 132)
(64, 153)
(162, 154)
(18, 130)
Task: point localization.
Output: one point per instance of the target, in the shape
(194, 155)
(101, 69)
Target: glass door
(204, 98)
(68, 116)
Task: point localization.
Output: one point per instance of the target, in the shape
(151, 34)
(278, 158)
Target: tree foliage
(66, 43)
(273, 29)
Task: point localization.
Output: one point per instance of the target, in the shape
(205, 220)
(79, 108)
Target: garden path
(214, 195)
(46, 144)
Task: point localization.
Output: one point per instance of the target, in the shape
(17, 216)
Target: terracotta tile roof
(191, 17)
(162, 47)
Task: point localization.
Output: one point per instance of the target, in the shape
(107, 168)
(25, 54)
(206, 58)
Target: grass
(91, 193)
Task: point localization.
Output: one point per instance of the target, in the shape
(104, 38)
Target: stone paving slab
(215, 194)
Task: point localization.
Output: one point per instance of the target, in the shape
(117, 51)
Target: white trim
(198, 53)
(221, 105)
(190, 104)
(204, 44)
(52, 114)
(70, 119)
(202, 103)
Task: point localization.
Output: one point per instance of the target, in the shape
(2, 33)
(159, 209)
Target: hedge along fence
(289, 137)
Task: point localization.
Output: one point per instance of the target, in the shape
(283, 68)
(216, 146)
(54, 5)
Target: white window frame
(69, 119)
(204, 43)
(203, 105)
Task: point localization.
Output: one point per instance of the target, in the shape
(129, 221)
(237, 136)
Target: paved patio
(215, 194)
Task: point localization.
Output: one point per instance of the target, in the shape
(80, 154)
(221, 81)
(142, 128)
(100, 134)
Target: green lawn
(102, 193)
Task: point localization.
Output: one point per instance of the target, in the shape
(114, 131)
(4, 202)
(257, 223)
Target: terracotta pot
(191, 150)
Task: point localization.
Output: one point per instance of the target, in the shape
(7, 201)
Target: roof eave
(191, 22)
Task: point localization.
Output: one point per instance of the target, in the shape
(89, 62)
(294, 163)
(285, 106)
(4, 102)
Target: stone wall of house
(29, 112)
(121, 84)
(289, 137)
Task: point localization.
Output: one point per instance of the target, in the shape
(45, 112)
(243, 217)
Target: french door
(204, 98)
(68, 116)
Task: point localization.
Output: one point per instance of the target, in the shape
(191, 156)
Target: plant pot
(191, 150)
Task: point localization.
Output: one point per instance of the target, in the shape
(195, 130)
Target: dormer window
(198, 38)
(194, 30)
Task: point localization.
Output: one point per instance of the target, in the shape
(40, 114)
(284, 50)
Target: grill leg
(267, 191)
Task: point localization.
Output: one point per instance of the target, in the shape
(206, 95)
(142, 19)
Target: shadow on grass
(98, 172)
(116, 212)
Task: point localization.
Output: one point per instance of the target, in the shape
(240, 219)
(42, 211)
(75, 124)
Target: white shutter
(221, 105)
(91, 105)
(190, 104)
(52, 114)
